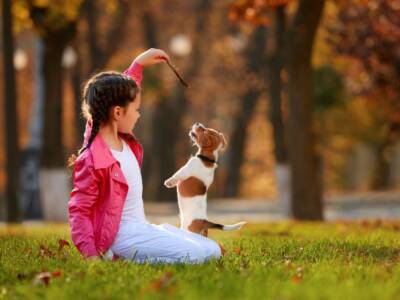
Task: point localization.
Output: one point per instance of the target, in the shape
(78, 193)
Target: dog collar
(205, 158)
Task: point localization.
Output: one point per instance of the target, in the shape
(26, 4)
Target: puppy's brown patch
(198, 226)
(192, 187)
(201, 226)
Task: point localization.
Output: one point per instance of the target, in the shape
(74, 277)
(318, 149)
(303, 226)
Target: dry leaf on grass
(45, 277)
(237, 250)
(45, 251)
(164, 283)
(62, 243)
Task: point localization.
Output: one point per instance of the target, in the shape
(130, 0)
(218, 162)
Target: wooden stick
(173, 68)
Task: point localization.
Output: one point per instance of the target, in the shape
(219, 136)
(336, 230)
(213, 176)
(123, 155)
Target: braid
(103, 91)
(95, 130)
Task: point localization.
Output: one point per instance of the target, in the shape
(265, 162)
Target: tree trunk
(237, 143)
(53, 151)
(276, 63)
(306, 178)
(255, 53)
(11, 124)
(53, 174)
(382, 167)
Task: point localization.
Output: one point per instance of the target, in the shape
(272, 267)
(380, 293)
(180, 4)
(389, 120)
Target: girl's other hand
(151, 57)
(93, 258)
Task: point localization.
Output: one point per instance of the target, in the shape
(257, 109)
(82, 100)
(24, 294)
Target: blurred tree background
(303, 90)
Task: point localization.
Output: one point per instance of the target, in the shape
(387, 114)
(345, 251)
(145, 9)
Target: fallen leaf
(56, 274)
(163, 282)
(237, 250)
(299, 275)
(62, 243)
(298, 278)
(45, 251)
(42, 278)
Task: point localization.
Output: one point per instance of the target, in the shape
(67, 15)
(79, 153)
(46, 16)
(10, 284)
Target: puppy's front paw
(170, 183)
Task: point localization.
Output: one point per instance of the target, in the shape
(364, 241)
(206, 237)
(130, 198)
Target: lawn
(285, 260)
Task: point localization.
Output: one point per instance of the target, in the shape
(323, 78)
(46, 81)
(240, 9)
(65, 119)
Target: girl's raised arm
(135, 71)
(149, 57)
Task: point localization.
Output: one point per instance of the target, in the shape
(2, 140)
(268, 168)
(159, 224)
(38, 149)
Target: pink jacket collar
(102, 157)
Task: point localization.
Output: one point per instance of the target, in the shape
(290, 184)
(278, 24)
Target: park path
(377, 205)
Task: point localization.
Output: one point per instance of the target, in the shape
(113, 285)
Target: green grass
(263, 261)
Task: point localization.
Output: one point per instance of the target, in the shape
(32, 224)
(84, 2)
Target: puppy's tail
(236, 226)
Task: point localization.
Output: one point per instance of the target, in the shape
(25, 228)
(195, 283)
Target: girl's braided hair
(101, 92)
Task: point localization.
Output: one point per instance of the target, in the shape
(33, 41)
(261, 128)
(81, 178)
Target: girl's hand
(151, 57)
(93, 258)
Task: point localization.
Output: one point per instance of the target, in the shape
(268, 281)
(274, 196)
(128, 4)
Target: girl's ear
(116, 112)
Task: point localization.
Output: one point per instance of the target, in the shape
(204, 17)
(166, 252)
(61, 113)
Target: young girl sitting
(106, 207)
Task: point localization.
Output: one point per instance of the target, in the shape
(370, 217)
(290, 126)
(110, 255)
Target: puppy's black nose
(197, 124)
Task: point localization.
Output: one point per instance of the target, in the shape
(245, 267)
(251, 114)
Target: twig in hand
(173, 68)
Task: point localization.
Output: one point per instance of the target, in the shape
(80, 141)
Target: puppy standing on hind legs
(194, 179)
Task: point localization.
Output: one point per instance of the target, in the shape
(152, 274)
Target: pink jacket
(99, 190)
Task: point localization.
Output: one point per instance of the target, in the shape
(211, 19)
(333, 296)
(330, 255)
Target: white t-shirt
(133, 210)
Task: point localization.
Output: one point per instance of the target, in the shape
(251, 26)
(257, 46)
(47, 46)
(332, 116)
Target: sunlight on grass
(285, 260)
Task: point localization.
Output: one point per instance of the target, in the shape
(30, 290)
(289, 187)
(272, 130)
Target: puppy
(194, 179)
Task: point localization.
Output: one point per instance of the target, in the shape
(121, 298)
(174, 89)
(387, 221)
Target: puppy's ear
(223, 140)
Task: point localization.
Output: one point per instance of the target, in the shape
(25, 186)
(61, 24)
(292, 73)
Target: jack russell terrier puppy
(194, 179)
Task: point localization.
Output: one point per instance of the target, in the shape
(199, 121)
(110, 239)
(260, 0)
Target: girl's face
(126, 117)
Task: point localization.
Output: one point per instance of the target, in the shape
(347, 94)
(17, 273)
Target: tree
(275, 66)
(370, 34)
(296, 45)
(304, 161)
(255, 54)
(11, 131)
(55, 23)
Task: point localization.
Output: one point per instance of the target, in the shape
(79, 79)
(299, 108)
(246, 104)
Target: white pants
(145, 242)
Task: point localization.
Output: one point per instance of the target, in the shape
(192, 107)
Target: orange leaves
(253, 11)
(370, 32)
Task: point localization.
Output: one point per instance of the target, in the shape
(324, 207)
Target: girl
(106, 207)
